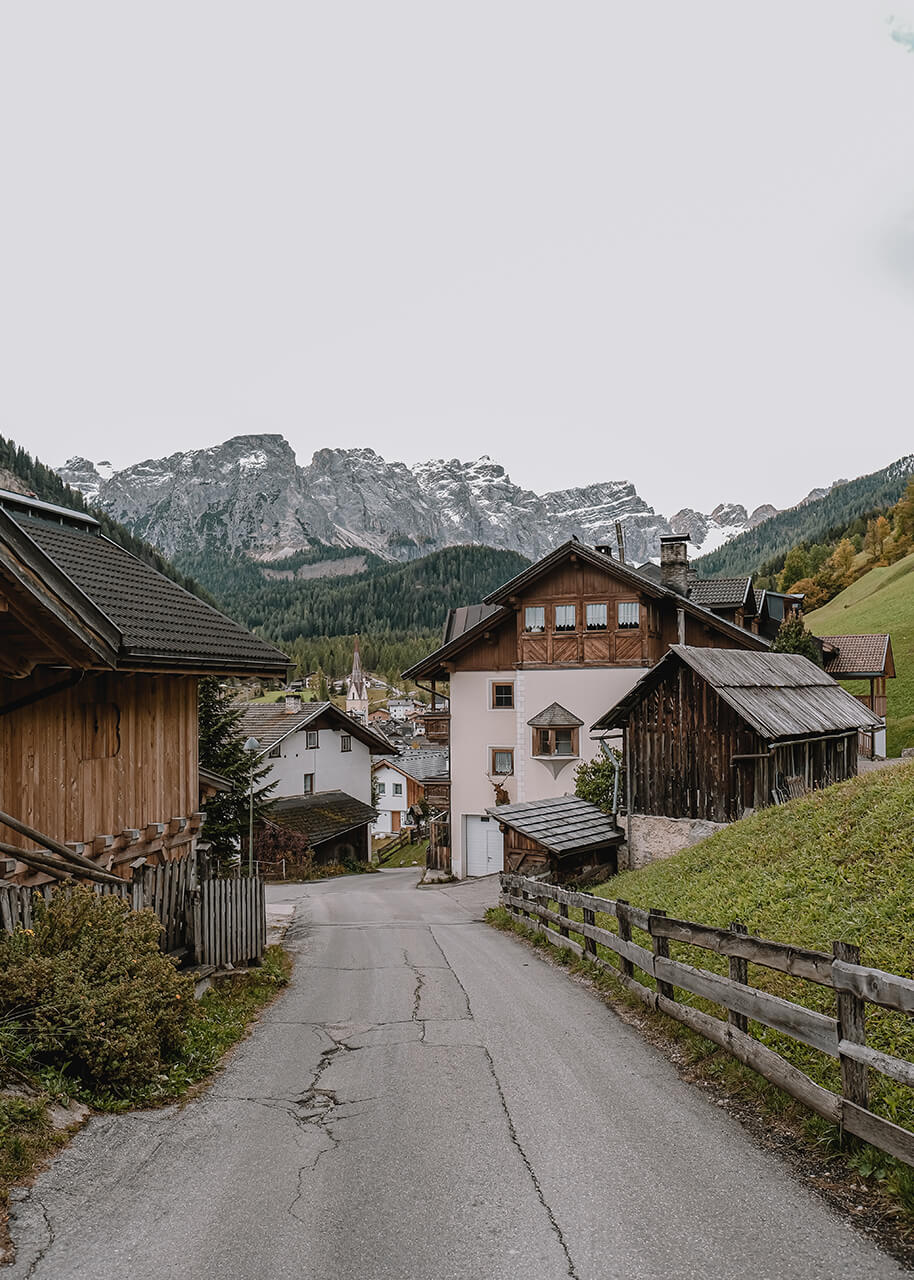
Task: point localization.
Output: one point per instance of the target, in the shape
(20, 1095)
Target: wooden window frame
(552, 754)
(596, 604)
(316, 736)
(396, 789)
(564, 630)
(501, 706)
(501, 751)
(382, 788)
(534, 631)
(307, 790)
(345, 742)
(627, 626)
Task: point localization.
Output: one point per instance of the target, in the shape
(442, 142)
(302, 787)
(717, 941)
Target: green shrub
(88, 991)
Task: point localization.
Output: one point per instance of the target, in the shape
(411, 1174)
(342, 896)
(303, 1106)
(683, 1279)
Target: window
(502, 762)
(629, 613)
(564, 617)
(535, 617)
(313, 741)
(502, 695)
(555, 742)
(398, 788)
(382, 788)
(345, 742)
(275, 752)
(596, 617)
(308, 784)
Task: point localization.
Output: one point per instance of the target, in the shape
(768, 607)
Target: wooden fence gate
(229, 921)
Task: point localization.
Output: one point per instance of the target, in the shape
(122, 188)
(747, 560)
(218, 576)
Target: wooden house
(711, 734)
(869, 658)
(100, 655)
(563, 837)
(528, 668)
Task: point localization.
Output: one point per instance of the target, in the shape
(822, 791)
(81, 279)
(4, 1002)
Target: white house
(530, 669)
(313, 746)
(401, 708)
(403, 781)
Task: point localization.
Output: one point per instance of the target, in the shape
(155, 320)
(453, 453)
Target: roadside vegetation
(92, 1013)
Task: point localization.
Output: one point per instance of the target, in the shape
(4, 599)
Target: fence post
(852, 1027)
(661, 948)
(739, 972)
(626, 968)
(563, 911)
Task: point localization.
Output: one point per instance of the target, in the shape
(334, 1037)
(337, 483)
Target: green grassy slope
(838, 864)
(882, 600)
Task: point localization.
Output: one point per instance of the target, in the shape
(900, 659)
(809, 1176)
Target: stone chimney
(674, 562)
(293, 702)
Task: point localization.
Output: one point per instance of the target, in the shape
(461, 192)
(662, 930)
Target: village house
(313, 747)
(710, 735)
(864, 657)
(335, 824)
(528, 668)
(100, 656)
(403, 782)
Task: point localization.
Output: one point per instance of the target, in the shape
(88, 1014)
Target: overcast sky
(669, 242)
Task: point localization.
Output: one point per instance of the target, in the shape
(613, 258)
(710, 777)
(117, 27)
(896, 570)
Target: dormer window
(535, 618)
(556, 737)
(564, 617)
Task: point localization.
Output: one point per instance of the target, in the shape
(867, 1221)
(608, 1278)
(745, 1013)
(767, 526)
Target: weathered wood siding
(114, 751)
(682, 739)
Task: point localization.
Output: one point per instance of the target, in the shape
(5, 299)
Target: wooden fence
(209, 921)
(842, 1037)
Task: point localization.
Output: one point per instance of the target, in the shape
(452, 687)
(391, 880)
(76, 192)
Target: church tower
(357, 688)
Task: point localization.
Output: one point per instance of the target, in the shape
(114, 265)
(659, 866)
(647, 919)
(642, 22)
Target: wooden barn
(565, 837)
(712, 733)
(100, 655)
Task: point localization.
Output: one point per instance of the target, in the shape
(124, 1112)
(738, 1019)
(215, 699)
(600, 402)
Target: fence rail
(842, 1037)
(211, 921)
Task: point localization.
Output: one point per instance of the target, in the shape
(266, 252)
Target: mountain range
(250, 496)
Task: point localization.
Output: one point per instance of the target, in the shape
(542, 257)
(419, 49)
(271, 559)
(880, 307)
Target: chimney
(293, 702)
(674, 562)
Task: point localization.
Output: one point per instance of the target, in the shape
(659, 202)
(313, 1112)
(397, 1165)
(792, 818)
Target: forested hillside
(821, 521)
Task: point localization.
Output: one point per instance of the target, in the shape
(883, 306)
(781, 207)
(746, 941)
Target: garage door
(485, 847)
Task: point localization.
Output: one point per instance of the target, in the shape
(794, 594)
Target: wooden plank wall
(115, 751)
(841, 1037)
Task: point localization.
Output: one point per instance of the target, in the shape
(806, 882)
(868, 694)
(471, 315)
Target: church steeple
(357, 687)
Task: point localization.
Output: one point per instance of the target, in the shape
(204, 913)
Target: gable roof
(421, 766)
(561, 824)
(322, 816)
(722, 593)
(160, 625)
(555, 716)
(501, 609)
(779, 695)
(858, 657)
(270, 723)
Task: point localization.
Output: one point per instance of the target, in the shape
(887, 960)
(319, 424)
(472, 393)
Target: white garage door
(485, 847)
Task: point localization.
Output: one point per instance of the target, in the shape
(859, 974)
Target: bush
(87, 991)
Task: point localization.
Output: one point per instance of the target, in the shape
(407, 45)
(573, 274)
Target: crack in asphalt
(49, 1240)
(512, 1130)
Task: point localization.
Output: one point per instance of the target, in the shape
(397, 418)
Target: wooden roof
(779, 695)
(561, 824)
(555, 716)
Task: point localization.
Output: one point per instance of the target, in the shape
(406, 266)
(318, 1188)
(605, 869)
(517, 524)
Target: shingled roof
(270, 722)
(780, 695)
(722, 593)
(561, 824)
(421, 766)
(858, 657)
(322, 816)
(161, 625)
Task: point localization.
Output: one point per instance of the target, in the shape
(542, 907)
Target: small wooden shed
(712, 733)
(564, 836)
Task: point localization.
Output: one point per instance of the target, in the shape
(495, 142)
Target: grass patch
(408, 856)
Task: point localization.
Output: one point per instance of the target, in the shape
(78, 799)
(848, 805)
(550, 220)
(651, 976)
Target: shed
(563, 835)
(334, 824)
(712, 733)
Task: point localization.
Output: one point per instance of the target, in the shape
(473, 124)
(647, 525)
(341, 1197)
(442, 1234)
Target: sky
(671, 243)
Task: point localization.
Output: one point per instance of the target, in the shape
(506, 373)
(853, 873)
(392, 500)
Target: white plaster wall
(477, 727)
(386, 803)
(333, 770)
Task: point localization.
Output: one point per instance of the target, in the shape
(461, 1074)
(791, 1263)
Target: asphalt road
(430, 1101)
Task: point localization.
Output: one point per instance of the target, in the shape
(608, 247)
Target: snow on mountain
(250, 495)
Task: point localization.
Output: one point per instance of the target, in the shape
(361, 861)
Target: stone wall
(654, 838)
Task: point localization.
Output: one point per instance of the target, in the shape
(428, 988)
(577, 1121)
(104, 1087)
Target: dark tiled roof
(322, 816)
(780, 695)
(421, 766)
(856, 656)
(270, 721)
(463, 618)
(161, 623)
(561, 824)
(720, 593)
(554, 717)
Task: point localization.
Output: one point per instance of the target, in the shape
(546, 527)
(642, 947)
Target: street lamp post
(252, 746)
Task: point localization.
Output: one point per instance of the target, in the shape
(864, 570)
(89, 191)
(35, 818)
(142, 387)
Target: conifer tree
(792, 637)
(222, 751)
